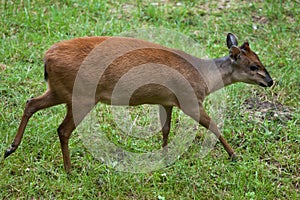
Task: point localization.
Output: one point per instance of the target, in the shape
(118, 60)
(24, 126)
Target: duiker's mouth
(262, 84)
(268, 84)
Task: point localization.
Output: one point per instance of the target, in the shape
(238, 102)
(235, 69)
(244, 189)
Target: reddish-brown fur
(64, 60)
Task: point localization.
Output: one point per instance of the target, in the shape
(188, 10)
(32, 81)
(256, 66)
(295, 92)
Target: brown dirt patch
(267, 110)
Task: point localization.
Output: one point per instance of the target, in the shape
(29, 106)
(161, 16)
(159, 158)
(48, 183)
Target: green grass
(269, 147)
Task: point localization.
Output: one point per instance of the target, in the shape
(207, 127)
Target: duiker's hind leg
(65, 130)
(33, 105)
(64, 133)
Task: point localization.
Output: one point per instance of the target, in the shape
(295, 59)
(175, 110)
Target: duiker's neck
(217, 73)
(224, 65)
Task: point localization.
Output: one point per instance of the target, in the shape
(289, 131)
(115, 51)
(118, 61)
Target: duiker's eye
(253, 68)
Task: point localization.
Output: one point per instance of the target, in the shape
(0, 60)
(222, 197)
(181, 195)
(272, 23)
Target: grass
(268, 142)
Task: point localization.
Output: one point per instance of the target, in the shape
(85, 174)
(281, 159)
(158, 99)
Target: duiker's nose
(270, 83)
(268, 79)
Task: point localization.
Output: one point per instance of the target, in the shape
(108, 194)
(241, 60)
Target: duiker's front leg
(208, 123)
(165, 114)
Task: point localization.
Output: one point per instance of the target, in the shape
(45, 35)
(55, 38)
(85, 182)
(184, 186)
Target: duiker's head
(246, 65)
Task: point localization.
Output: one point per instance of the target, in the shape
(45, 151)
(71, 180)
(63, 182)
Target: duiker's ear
(231, 40)
(245, 46)
(234, 52)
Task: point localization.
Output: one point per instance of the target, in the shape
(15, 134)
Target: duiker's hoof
(234, 158)
(8, 152)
